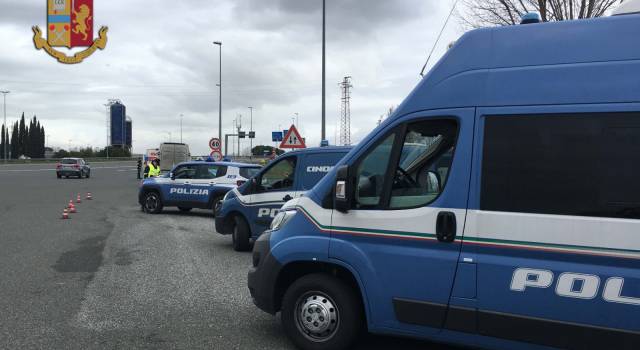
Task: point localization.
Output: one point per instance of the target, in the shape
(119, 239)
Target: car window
(186, 172)
(370, 174)
(280, 176)
(68, 161)
(423, 167)
(247, 172)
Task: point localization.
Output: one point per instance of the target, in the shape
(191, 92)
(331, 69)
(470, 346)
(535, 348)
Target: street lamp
(168, 132)
(181, 128)
(323, 72)
(4, 145)
(219, 43)
(250, 130)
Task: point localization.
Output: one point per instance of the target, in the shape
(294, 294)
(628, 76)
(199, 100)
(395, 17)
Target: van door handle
(446, 227)
(287, 198)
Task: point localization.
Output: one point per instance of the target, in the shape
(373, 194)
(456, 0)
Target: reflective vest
(153, 170)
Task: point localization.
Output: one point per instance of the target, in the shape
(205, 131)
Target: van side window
(579, 164)
(280, 176)
(425, 160)
(371, 173)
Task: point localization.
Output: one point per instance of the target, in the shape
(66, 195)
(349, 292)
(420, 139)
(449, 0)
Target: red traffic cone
(72, 210)
(65, 214)
(71, 205)
(89, 196)
(78, 199)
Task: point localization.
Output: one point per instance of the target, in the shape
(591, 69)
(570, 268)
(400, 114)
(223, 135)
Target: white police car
(193, 185)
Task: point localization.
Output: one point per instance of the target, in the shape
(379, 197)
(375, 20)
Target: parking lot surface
(114, 277)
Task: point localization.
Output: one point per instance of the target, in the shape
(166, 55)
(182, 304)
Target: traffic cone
(71, 205)
(65, 214)
(89, 196)
(72, 210)
(78, 199)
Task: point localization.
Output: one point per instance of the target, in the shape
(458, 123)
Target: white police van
(193, 185)
(516, 227)
(247, 211)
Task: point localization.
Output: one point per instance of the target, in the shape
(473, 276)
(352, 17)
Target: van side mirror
(253, 186)
(172, 176)
(343, 189)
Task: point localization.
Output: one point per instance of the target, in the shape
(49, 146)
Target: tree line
(27, 139)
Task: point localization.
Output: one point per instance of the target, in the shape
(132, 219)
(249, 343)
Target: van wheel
(240, 234)
(184, 210)
(152, 202)
(320, 311)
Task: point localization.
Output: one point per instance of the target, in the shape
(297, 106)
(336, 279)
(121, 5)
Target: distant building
(121, 126)
(129, 133)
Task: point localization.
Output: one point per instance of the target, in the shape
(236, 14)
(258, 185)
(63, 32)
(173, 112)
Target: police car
(248, 210)
(515, 224)
(193, 185)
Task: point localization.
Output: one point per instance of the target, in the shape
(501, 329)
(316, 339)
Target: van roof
(568, 62)
(344, 149)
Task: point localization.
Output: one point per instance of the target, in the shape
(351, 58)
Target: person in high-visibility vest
(156, 170)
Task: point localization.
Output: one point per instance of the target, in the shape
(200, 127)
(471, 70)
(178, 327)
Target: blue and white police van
(193, 185)
(516, 227)
(247, 211)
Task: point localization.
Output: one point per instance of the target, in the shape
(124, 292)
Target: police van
(247, 211)
(193, 185)
(516, 227)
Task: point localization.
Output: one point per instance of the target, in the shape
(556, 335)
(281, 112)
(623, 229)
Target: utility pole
(250, 130)
(219, 43)
(239, 125)
(345, 112)
(323, 72)
(4, 145)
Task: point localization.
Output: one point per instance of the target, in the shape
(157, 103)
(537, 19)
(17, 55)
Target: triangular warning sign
(292, 139)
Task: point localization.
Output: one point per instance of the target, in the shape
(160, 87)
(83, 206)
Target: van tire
(240, 234)
(152, 203)
(341, 313)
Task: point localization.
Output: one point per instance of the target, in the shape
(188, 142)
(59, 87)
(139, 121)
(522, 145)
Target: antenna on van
(438, 38)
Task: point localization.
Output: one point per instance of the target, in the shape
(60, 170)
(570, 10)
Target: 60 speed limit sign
(215, 144)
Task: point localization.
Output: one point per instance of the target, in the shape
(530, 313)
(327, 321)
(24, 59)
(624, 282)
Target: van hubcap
(152, 202)
(317, 316)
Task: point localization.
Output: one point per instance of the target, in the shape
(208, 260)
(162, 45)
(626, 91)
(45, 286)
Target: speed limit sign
(216, 156)
(215, 144)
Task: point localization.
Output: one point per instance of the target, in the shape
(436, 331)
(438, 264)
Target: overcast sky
(160, 61)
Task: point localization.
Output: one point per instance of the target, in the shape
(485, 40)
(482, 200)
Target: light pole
(4, 145)
(181, 128)
(323, 71)
(168, 132)
(250, 130)
(219, 43)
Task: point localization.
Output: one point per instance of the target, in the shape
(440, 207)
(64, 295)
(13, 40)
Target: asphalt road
(113, 277)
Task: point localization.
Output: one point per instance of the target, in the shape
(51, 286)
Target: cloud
(160, 61)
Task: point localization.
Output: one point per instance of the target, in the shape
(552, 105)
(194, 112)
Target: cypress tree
(14, 141)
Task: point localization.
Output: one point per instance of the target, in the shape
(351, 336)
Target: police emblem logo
(70, 24)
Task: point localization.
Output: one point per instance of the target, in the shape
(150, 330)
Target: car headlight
(281, 219)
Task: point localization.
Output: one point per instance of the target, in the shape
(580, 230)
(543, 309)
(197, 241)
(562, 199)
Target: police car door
(407, 219)
(276, 185)
(201, 185)
(177, 189)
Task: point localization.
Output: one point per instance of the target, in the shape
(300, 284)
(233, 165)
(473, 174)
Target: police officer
(146, 169)
(154, 168)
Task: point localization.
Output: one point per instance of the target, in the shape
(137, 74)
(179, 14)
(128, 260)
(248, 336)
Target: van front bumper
(263, 276)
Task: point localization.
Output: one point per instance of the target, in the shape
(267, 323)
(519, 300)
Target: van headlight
(281, 219)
